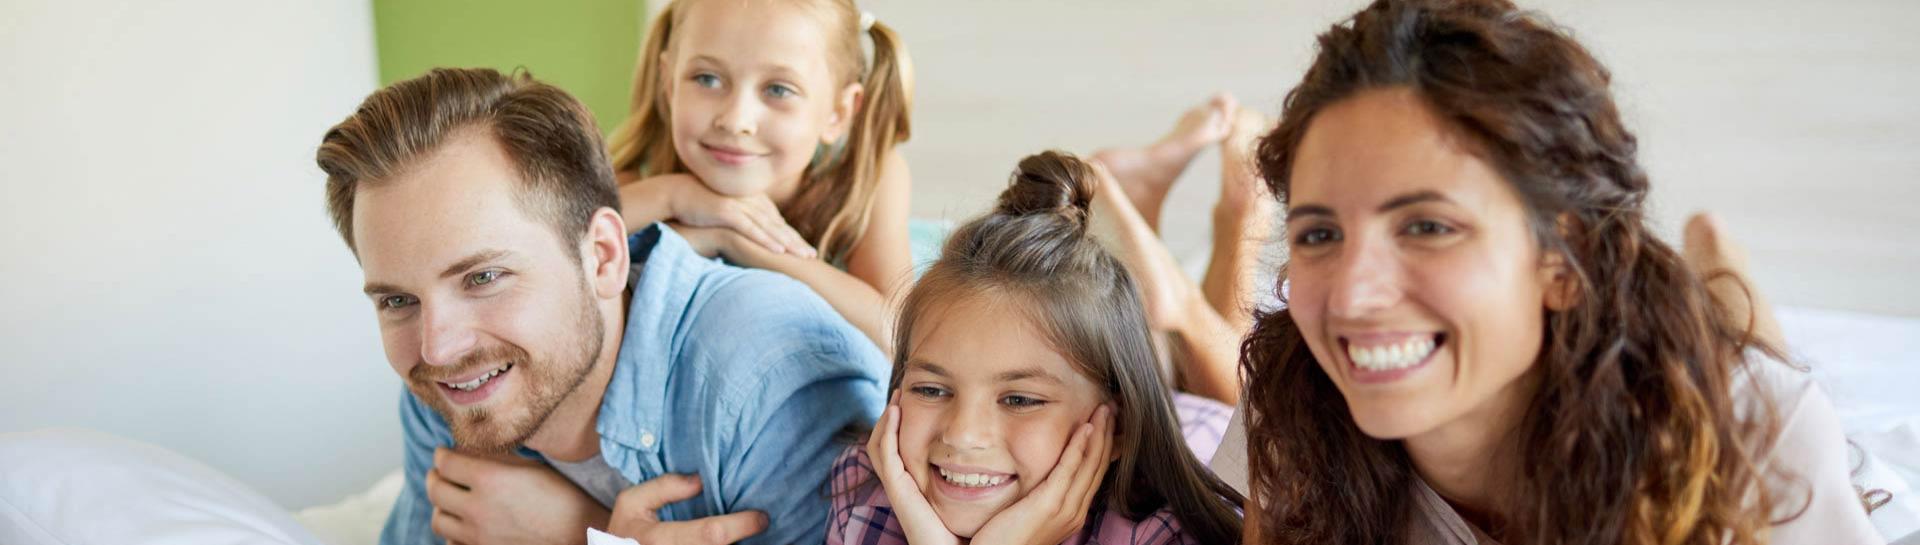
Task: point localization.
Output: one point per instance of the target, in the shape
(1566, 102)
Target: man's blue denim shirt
(744, 377)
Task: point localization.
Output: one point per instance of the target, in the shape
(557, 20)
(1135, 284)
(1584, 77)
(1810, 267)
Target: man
(552, 363)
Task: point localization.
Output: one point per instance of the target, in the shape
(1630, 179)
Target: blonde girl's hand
(917, 519)
(1058, 506)
(691, 202)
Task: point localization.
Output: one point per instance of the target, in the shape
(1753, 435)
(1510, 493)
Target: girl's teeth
(1390, 357)
(972, 480)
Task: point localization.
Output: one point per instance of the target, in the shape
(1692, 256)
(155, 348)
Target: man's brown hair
(564, 172)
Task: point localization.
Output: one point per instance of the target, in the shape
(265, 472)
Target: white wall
(168, 271)
(1797, 121)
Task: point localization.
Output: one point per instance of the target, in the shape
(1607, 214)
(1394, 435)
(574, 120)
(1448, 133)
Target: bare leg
(1242, 222)
(1173, 303)
(1722, 263)
(1146, 173)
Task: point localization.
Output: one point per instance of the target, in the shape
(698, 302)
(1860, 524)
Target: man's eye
(928, 392)
(482, 278)
(395, 302)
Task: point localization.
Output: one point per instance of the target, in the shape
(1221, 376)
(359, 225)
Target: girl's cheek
(1039, 450)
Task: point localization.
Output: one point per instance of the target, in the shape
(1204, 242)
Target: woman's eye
(709, 81)
(1427, 227)
(482, 278)
(928, 392)
(780, 91)
(1316, 236)
(1021, 402)
(395, 302)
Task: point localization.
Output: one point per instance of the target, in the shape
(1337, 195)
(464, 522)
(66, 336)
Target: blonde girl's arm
(884, 257)
(878, 267)
(683, 199)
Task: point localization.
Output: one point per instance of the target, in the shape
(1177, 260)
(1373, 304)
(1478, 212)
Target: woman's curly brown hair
(1632, 436)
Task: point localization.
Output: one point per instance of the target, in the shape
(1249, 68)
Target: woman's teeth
(972, 480)
(1393, 356)
(471, 385)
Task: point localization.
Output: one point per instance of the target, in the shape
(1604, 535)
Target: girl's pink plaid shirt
(863, 516)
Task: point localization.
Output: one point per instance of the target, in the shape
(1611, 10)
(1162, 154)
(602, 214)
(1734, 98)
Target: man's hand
(488, 501)
(636, 515)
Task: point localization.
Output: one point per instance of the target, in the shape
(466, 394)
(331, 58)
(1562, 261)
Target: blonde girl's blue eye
(781, 91)
(706, 80)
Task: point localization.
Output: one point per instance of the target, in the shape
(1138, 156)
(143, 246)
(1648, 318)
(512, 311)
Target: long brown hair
(836, 195)
(1632, 436)
(1035, 246)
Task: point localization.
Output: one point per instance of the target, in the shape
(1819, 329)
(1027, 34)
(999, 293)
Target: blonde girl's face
(986, 407)
(752, 94)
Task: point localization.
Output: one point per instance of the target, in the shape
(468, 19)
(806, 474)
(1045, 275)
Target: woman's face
(1416, 279)
(986, 408)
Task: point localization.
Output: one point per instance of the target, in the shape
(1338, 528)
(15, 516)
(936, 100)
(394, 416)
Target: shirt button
(646, 439)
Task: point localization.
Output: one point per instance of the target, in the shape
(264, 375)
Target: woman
(1483, 340)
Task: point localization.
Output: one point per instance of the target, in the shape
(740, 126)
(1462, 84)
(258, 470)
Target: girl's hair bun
(1050, 182)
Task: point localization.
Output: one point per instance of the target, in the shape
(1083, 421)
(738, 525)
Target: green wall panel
(584, 46)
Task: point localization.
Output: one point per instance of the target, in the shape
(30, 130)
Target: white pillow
(74, 487)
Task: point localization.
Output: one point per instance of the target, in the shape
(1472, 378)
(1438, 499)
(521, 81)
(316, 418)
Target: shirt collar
(666, 271)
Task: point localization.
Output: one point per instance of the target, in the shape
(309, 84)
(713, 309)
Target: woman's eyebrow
(1410, 199)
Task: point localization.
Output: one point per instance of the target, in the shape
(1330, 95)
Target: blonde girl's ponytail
(833, 208)
(643, 144)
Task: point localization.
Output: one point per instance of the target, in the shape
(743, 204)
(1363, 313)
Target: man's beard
(544, 384)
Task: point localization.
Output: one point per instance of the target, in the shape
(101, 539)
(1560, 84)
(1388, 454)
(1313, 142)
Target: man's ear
(603, 254)
(846, 107)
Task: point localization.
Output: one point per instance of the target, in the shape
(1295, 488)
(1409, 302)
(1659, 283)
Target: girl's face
(752, 95)
(1416, 280)
(986, 408)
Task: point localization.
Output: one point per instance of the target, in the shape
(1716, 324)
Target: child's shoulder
(1157, 528)
(861, 512)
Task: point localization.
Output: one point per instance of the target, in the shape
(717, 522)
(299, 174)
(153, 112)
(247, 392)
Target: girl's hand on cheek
(757, 218)
(916, 515)
(1058, 506)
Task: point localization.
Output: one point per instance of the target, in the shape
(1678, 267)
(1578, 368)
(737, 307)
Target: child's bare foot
(1146, 173)
(1722, 264)
(1241, 192)
(1165, 291)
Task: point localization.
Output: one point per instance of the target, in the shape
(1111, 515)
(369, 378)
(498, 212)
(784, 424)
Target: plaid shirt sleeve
(861, 514)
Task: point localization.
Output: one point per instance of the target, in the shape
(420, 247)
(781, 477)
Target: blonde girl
(763, 132)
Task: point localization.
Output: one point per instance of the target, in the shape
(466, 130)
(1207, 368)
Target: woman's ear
(846, 107)
(1562, 285)
(1558, 277)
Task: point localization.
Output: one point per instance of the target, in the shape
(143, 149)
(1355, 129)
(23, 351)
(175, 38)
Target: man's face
(484, 314)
